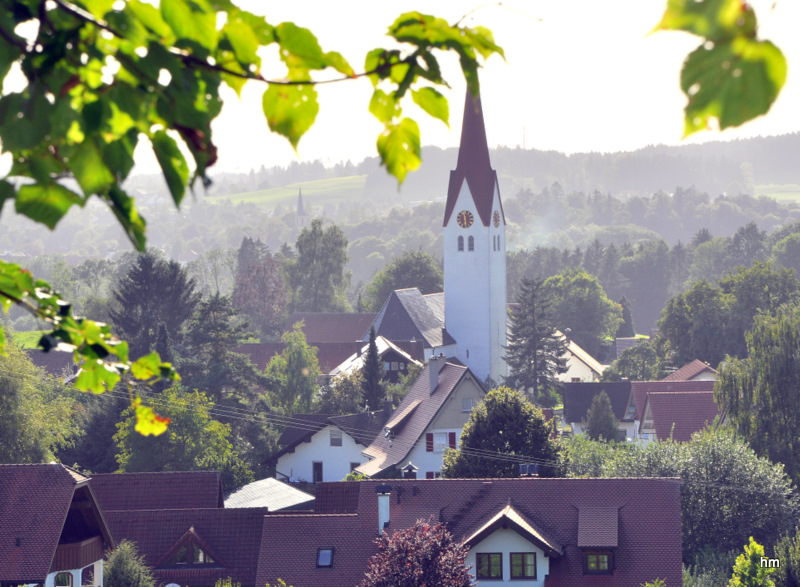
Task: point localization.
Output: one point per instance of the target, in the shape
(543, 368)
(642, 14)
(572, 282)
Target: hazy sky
(580, 75)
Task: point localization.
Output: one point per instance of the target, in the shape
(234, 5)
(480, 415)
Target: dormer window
(325, 558)
(598, 562)
(190, 551)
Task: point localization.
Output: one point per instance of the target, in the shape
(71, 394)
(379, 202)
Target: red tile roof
(34, 501)
(170, 490)
(687, 411)
(648, 525)
(690, 371)
(473, 165)
(412, 417)
(233, 535)
(329, 354)
(598, 527)
(640, 390)
(332, 326)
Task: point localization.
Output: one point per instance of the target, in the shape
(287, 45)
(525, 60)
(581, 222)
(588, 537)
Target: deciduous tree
(259, 291)
(642, 362)
(425, 554)
(503, 431)
(292, 375)
(412, 269)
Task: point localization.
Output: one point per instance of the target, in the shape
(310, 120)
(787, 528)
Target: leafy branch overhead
(732, 76)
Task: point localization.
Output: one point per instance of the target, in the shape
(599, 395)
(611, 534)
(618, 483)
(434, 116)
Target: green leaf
(290, 110)
(300, 49)
(98, 8)
(731, 82)
(399, 148)
(172, 163)
(46, 203)
(384, 107)
(146, 367)
(96, 376)
(15, 282)
(2, 342)
(713, 19)
(147, 421)
(243, 40)
(339, 63)
(151, 18)
(192, 20)
(90, 171)
(123, 207)
(433, 103)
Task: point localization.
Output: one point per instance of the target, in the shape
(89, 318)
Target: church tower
(475, 253)
(300, 218)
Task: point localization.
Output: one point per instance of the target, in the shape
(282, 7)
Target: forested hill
(732, 167)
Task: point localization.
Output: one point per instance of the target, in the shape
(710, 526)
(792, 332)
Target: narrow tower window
(461, 243)
(471, 243)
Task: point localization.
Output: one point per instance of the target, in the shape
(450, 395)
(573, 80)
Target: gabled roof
(473, 165)
(508, 517)
(640, 390)
(680, 413)
(168, 490)
(355, 361)
(412, 417)
(34, 503)
(233, 535)
(406, 315)
(271, 494)
(584, 357)
(578, 398)
(329, 354)
(548, 510)
(332, 326)
(691, 370)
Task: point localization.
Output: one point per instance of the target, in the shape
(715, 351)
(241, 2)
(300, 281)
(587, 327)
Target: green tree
(761, 393)
(625, 329)
(293, 374)
(37, 417)
(317, 277)
(125, 567)
(600, 421)
(341, 395)
(397, 391)
(412, 269)
(748, 570)
(581, 305)
(258, 290)
(153, 291)
(642, 362)
(373, 391)
(787, 551)
(194, 441)
(425, 554)
(507, 424)
(786, 252)
(536, 351)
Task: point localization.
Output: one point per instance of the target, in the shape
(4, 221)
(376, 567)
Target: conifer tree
(600, 421)
(536, 352)
(373, 391)
(626, 329)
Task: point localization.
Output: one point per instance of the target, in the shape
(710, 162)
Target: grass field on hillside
(28, 340)
(315, 193)
(789, 192)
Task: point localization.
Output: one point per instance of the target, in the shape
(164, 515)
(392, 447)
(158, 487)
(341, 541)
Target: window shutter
(452, 440)
(429, 442)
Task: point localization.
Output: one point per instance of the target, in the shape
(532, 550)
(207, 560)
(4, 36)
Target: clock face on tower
(465, 219)
(496, 218)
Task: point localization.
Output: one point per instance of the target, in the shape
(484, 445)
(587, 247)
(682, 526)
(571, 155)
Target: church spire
(473, 164)
(300, 211)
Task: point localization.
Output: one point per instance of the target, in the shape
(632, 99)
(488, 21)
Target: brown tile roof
(412, 417)
(687, 411)
(55, 363)
(329, 354)
(598, 527)
(578, 398)
(408, 315)
(233, 535)
(473, 165)
(169, 490)
(690, 371)
(549, 507)
(332, 326)
(640, 390)
(34, 501)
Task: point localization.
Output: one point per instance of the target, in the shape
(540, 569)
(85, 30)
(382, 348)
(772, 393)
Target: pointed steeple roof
(300, 211)
(473, 164)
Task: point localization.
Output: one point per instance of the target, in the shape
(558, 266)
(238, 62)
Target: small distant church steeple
(475, 253)
(300, 218)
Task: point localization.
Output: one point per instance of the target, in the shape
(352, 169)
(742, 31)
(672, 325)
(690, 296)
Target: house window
(490, 566)
(523, 565)
(189, 553)
(439, 441)
(394, 365)
(387, 366)
(325, 557)
(336, 438)
(466, 405)
(433, 474)
(317, 471)
(461, 243)
(63, 580)
(598, 562)
(471, 243)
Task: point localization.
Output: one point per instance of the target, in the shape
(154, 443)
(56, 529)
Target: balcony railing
(76, 555)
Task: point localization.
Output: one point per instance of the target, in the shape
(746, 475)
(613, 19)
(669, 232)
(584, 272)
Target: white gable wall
(299, 465)
(505, 542)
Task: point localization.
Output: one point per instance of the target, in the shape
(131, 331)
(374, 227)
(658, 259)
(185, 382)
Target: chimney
(435, 365)
(384, 493)
(388, 408)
